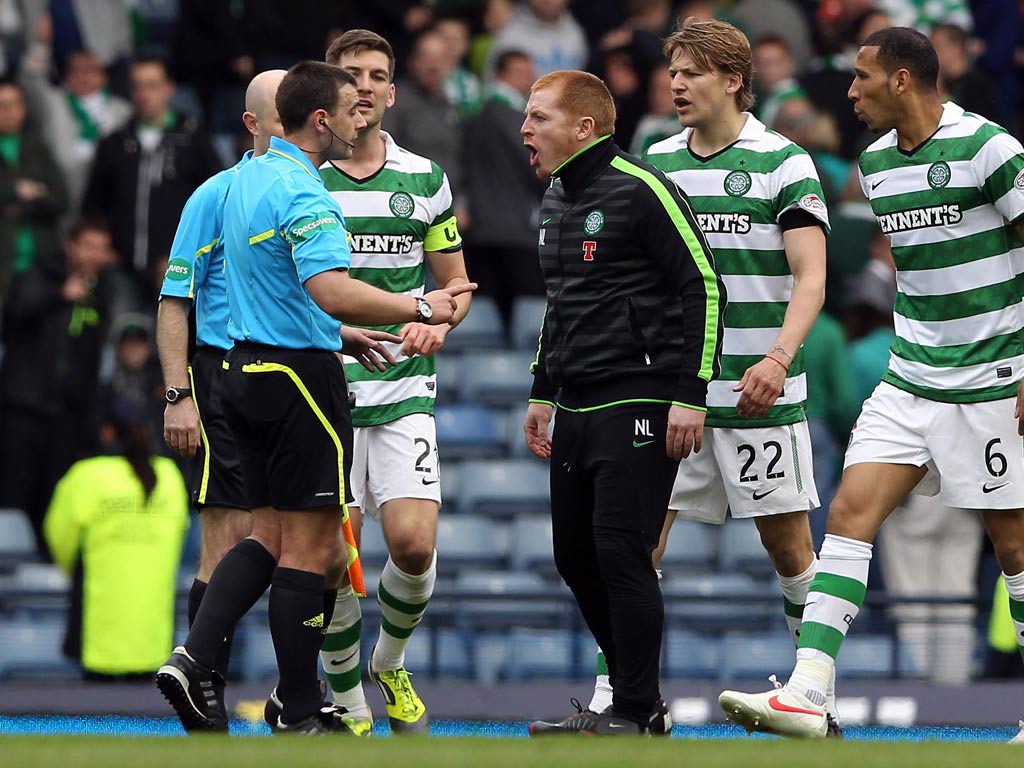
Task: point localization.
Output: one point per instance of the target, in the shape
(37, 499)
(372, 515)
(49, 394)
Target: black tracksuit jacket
(634, 300)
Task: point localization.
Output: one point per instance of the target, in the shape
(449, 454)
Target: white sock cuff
(798, 582)
(1015, 586)
(411, 585)
(841, 548)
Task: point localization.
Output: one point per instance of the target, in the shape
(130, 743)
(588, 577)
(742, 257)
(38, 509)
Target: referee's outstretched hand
(442, 301)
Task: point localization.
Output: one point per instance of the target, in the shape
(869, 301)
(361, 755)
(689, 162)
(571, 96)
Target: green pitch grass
(419, 752)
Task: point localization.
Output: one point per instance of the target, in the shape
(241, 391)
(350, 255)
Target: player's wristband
(784, 366)
(781, 351)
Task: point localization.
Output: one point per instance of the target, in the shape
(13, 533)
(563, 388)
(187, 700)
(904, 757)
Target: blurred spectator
(959, 79)
(101, 26)
(117, 526)
(775, 17)
(502, 190)
(774, 77)
(831, 75)
(73, 116)
(493, 18)
(830, 409)
(400, 21)
(924, 16)
(211, 52)
(869, 318)
(32, 192)
(997, 25)
(424, 120)
(461, 86)
(547, 32)
(797, 120)
(53, 333)
(18, 19)
(660, 121)
(136, 378)
(283, 32)
(144, 173)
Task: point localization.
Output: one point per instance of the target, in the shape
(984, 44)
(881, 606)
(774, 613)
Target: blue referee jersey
(195, 269)
(281, 227)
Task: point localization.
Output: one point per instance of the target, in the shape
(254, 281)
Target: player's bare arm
(762, 383)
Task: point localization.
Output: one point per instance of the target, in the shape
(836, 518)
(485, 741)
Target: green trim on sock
(793, 610)
(399, 632)
(401, 606)
(342, 682)
(339, 641)
(821, 637)
(1016, 610)
(842, 587)
(602, 663)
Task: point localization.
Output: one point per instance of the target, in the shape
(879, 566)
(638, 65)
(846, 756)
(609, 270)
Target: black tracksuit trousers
(610, 486)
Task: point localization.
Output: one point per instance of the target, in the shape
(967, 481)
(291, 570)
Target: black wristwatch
(423, 310)
(174, 394)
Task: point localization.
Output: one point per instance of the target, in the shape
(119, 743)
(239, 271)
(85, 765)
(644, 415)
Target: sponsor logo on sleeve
(1018, 182)
(320, 221)
(179, 269)
(812, 203)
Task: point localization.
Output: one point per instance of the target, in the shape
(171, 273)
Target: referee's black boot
(661, 720)
(328, 719)
(196, 692)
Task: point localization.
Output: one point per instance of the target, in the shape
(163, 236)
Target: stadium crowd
(112, 114)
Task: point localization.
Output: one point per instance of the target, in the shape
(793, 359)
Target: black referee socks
(297, 622)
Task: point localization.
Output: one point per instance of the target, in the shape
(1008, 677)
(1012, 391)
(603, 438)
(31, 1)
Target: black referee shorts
(215, 476)
(288, 411)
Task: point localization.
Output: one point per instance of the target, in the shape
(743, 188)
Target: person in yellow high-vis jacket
(116, 525)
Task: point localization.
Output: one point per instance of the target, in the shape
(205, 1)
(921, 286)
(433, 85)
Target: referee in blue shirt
(287, 257)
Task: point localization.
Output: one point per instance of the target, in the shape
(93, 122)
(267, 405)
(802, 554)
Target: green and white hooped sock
(794, 595)
(1015, 589)
(833, 602)
(602, 698)
(339, 654)
(403, 600)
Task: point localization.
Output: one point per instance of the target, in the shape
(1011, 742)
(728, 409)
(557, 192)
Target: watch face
(171, 395)
(426, 311)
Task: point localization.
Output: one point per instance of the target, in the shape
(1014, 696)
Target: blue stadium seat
(497, 378)
(741, 549)
(505, 488)
(866, 656)
(689, 654)
(690, 546)
(31, 649)
(258, 657)
(467, 541)
(468, 431)
(454, 656)
(527, 318)
(373, 550)
(17, 540)
(529, 543)
(498, 610)
(451, 484)
(722, 600)
(490, 655)
(540, 654)
(754, 657)
(449, 379)
(481, 329)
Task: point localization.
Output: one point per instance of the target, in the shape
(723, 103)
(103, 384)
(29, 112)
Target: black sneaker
(660, 723)
(590, 723)
(196, 692)
(273, 708)
(327, 720)
(835, 730)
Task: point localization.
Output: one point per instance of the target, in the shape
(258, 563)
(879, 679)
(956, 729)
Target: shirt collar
(578, 170)
(281, 147)
(951, 114)
(391, 150)
(752, 130)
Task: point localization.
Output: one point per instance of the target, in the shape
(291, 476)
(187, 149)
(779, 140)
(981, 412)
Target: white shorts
(972, 450)
(748, 473)
(397, 460)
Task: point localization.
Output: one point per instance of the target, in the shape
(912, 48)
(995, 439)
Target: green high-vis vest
(130, 548)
